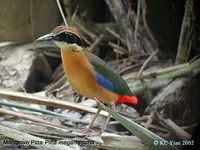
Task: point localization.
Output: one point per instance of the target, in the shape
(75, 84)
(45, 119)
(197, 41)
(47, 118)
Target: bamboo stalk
(156, 79)
(170, 72)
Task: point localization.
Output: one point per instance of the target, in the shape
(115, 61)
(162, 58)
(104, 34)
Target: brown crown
(61, 29)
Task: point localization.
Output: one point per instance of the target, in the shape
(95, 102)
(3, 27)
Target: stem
(61, 12)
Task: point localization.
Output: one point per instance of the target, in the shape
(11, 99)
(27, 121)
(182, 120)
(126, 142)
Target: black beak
(47, 37)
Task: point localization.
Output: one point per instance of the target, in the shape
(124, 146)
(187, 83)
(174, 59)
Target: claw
(89, 132)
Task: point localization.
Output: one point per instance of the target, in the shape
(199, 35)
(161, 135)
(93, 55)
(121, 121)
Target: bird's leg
(94, 118)
(88, 128)
(105, 124)
(107, 120)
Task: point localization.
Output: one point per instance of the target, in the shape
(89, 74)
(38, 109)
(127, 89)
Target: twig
(74, 13)
(170, 72)
(120, 49)
(31, 20)
(96, 43)
(130, 68)
(125, 25)
(150, 120)
(20, 106)
(77, 22)
(154, 127)
(170, 94)
(145, 64)
(56, 84)
(61, 12)
(144, 7)
(137, 22)
(115, 34)
(175, 129)
(30, 98)
(28, 117)
(147, 92)
(23, 137)
(86, 40)
(156, 79)
(186, 35)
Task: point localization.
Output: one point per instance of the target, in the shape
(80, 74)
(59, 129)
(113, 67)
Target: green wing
(120, 86)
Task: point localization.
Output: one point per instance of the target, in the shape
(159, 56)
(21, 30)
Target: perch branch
(30, 98)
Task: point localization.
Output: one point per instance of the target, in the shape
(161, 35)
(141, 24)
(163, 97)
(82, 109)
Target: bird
(89, 75)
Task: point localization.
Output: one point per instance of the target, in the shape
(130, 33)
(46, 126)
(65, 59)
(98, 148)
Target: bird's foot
(87, 130)
(90, 132)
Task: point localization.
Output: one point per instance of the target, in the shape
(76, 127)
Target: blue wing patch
(104, 82)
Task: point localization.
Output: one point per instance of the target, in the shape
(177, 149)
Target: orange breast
(81, 76)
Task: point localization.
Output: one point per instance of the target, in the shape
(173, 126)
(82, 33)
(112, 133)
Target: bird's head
(65, 38)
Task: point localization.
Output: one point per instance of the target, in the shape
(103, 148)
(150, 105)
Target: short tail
(127, 99)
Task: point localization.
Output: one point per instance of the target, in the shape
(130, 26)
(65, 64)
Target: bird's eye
(69, 37)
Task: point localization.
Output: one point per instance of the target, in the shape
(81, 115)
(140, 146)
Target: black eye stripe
(69, 38)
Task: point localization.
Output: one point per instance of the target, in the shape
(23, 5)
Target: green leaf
(147, 137)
